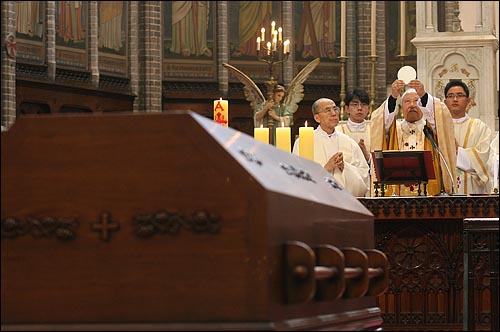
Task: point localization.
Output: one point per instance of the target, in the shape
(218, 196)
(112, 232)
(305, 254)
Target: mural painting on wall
(317, 32)
(71, 33)
(246, 19)
(112, 37)
(393, 49)
(29, 31)
(188, 40)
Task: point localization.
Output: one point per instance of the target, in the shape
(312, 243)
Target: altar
(423, 240)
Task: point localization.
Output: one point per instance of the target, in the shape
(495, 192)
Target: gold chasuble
(404, 136)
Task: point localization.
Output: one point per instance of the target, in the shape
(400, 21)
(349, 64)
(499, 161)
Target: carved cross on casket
(105, 226)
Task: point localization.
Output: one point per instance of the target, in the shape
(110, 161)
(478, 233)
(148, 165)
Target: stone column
(150, 91)
(50, 47)
(133, 47)
(8, 64)
(92, 37)
(288, 34)
(222, 46)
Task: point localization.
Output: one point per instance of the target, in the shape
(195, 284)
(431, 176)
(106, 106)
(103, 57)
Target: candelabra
(272, 52)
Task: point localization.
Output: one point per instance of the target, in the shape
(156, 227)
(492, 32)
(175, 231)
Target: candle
(261, 134)
(342, 27)
(268, 48)
(273, 24)
(221, 111)
(306, 142)
(374, 28)
(258, 43)
(275, 42)
(286, 47)
(262, 34)
(283, 138)
(280, 34)
(403, 27)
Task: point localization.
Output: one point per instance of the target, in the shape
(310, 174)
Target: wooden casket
(174, 222)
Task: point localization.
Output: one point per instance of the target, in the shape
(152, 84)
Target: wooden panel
(422, 238)
(59, 98)
(164, 219)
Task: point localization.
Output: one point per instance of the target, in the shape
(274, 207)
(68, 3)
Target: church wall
(137, 56)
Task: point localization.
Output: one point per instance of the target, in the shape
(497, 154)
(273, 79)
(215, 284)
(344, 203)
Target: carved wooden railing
(327, 273)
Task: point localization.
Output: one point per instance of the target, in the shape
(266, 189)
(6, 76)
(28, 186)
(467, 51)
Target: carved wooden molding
(163, 222)
(61, 228)
(432, 207)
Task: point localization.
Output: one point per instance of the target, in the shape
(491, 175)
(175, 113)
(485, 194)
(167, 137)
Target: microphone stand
(428, 133)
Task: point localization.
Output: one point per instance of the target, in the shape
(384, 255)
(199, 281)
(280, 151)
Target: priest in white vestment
(493, 166)
(357, 105)
(473, 137)
(336, 152)
(419, 109)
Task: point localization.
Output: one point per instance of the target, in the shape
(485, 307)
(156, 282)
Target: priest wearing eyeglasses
(473, 138)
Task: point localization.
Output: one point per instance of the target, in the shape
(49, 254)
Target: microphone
(428, 133)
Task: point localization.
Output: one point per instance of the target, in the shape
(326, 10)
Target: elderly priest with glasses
(335, 151)
(426, 125)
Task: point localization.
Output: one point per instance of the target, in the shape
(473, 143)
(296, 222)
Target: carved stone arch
(456, 65)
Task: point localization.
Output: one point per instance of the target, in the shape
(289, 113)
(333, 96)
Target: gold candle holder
(373, 60)
(342, 60)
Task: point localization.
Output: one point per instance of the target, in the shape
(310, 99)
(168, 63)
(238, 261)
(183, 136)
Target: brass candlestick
(342, 60)
(373, 60)
(402, 59)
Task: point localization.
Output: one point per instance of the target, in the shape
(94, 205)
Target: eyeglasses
(330, 110)
(453, 96)
(356, 105)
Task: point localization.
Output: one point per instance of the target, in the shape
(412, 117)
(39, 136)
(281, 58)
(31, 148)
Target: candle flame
(305, 125)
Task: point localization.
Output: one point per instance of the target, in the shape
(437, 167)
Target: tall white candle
(306, 142)
(342, 27)
(221, 112)
(283, 136)
(374, 29)
(261, 134)
(286, 47)
(402, 15)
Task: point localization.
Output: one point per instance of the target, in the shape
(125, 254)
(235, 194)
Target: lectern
(402, 167)
(170, 221)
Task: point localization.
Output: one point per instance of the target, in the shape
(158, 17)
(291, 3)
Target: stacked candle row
(283, 139)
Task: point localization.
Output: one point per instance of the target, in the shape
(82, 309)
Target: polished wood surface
(171, 221)
(481, 272)
(423, 240)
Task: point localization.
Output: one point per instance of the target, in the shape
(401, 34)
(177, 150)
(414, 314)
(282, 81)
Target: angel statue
(278, 109)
